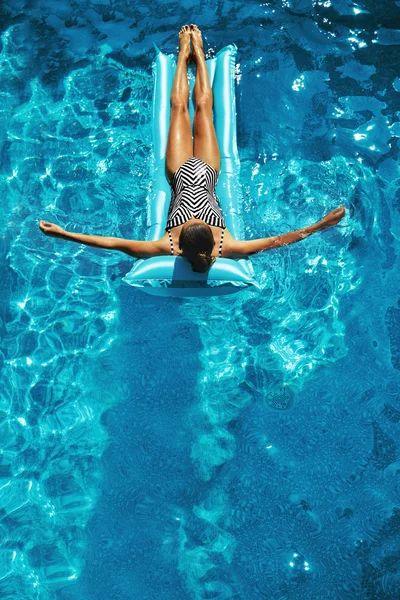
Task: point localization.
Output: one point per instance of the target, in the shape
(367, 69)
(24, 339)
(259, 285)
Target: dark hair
(197, 242)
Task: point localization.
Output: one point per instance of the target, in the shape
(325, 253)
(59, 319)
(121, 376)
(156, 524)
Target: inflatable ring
(173, 275)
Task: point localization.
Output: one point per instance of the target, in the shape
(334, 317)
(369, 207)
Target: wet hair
(196, 243)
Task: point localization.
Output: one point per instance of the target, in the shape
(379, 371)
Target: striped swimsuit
(193, 195)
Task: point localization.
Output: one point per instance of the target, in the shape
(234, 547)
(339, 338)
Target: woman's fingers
(48, 228)
(338, 210)
(338, 214)
(333, 217)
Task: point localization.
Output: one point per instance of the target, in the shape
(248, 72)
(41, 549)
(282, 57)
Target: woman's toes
(196, 36)
(184, 37)
(195, 31)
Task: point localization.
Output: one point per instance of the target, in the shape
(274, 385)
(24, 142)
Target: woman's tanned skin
(232, 248)
(180, 147)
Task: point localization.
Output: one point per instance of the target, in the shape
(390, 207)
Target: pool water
(237, 447)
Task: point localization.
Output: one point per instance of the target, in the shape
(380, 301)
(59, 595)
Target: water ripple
(287, 487)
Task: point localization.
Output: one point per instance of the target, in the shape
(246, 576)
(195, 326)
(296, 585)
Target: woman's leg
(205, 140)
(179, 146)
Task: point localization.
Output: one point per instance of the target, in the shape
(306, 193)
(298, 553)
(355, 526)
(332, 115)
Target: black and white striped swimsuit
(193, 195)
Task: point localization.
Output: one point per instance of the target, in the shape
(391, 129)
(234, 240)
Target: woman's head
(196, 242)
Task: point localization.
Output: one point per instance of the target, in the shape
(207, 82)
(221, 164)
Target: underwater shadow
(148, 478)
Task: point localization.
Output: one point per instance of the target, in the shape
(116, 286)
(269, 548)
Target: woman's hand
(51, 229)
(332, 218)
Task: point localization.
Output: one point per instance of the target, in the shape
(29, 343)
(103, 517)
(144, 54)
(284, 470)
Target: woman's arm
(239, 249)
(135, 248)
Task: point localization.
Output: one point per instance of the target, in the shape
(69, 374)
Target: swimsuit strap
(171, 243)
(220, 243)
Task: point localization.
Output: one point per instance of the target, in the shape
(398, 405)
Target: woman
(195, 227)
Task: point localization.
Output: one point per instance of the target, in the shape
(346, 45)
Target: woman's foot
(184, 37)
(197, 41)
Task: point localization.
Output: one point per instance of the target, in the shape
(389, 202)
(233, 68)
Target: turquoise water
(241, 447)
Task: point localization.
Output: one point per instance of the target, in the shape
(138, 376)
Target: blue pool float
(173, 275)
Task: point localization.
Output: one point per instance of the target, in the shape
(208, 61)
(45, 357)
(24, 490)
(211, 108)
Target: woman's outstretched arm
(239, 249)
(136, 248)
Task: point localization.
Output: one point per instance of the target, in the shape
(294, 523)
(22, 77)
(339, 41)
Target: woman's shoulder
(223, 242)
(163, 245)
(231, 247)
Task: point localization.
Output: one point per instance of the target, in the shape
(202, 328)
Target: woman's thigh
(205, 139)
(180, 144)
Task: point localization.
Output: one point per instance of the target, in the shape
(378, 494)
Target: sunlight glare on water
(234, 447)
